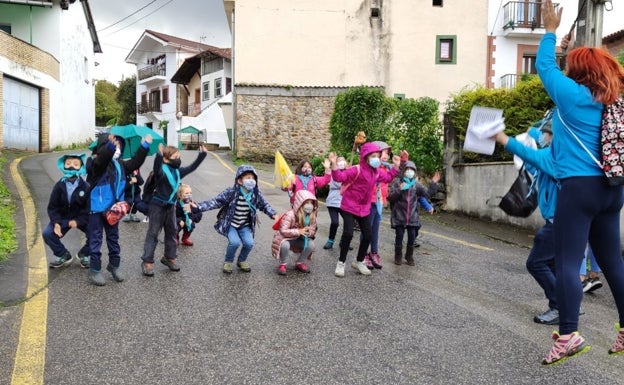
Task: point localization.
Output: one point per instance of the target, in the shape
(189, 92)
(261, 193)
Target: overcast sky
(205, 19)
(188, 19)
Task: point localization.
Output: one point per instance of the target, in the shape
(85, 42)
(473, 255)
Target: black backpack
(149, 188)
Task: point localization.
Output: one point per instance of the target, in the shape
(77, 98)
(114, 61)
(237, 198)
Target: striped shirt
(241, 214)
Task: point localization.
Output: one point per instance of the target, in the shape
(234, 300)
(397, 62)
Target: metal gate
(21, 115)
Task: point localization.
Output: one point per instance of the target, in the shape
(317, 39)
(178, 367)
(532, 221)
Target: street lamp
(179, 116)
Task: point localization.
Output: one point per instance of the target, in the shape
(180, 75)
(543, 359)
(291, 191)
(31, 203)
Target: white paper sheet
(484, 123)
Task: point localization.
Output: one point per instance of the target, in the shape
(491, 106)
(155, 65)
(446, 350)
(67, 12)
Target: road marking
(29, 364)
(473, 245)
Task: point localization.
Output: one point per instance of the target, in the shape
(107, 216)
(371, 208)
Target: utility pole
(589, 25)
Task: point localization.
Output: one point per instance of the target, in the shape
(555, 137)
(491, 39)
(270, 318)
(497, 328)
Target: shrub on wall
(410, 124)
(522, 106)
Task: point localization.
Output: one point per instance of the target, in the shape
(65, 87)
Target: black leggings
(349, 220)
(334, 216)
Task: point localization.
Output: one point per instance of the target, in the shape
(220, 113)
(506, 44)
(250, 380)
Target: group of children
(83, 204)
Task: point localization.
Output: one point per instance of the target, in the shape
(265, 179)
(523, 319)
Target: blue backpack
(108, 190)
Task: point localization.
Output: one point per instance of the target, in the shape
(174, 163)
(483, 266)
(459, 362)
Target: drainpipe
(234, 103)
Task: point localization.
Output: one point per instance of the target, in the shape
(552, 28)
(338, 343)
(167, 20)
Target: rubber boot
(398, 254)
(185, 239)
(409, 255)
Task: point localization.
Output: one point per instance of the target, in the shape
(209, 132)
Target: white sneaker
(339, 269)
(361, 268)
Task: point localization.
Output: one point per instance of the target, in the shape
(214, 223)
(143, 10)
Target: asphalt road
(462, 315)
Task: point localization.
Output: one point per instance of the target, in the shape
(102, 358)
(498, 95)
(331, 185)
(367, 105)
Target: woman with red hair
(587, 207)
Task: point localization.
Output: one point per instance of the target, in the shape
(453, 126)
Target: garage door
(21, 115)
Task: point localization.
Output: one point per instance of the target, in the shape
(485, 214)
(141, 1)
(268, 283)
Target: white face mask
(117, 153)
(409, 174)
(308, 208)
(249, 184)
(341, 165)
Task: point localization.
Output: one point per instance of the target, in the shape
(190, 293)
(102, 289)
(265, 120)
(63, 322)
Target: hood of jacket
(83, 158)
(243, 169)
(103, 139)
(367, 149)
(409, 164)
(302, 196)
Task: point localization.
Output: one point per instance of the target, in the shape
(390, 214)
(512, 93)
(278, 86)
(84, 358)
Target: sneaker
(147, 269)
(566, 346)
(228, 267)
(170, 263)
(281, 269)
(549, 317)
(146, 220)
(618, 346)
(243, 266)
(62, 261)
(594, 284)
(97, 278)
(340, 267)
(127, 218)
(375, 260)
(135, 218)
(115, 273)
(368, 263)
(302, 267)
(85, 260)
(361, 268)
(329, 244)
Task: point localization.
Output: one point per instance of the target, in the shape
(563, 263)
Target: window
(446, 49)
(437, 3)
(206, 91)
(6, 28)
(165, 94)
(228, 85)
(217, 84)
(399, 96)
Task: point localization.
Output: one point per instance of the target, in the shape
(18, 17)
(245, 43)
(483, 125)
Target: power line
(132, 14)
(141, 18)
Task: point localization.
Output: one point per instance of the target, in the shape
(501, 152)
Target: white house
(158, 57)
(47, 52)
(205, 85)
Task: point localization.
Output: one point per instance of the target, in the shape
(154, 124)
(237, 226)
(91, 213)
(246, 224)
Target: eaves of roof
(192, 65)
(613, 37)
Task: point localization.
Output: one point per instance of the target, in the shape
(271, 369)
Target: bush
(522, 106)
(409, 124)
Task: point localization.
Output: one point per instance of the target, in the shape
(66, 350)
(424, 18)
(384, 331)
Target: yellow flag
(283, 175)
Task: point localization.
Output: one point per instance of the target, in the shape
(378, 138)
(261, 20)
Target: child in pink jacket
(358, 185)
(297, 228)
(306, 180)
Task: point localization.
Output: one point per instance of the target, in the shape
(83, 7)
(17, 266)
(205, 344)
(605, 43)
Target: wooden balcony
(523, 19)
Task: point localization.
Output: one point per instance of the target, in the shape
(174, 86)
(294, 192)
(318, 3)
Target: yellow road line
(29, 364)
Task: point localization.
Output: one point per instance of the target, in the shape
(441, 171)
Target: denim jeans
(541, 262)
(96, 229)
(374, 218)
(236, 237)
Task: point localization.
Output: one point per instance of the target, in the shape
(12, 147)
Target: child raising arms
(297, 228)
(238, 222)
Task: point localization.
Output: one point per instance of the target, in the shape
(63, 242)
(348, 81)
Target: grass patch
(8, 241)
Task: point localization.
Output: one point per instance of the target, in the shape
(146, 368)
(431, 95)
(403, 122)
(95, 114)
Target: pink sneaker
(376, 260)
(566, 346)
(302, 267)
(281, 270)
(367, 262)
(618, 346)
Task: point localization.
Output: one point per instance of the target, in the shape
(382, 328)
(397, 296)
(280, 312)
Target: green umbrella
(132, 135)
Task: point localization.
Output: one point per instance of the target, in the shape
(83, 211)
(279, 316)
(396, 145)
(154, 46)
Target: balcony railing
(149, 106)
(523, 14)
(153, 70)
(509, 81)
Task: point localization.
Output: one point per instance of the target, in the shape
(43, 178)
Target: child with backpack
(162, 207)
(296, 231)
(188, 214)
(106, 175)
(134, 181)
(68, 208)
(306, 180)
(239, 206)
(405, 194)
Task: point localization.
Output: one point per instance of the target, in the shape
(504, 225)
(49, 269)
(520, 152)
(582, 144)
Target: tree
(126, 97)
(106, 106)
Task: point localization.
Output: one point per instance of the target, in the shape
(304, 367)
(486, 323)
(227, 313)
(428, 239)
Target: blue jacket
(577, 108)
(541, 164)
(229, 197)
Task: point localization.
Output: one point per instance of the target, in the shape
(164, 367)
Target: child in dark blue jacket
(106, 175)
(68, 208)
(188, 213)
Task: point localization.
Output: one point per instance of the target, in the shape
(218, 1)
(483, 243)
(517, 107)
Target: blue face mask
(374, 162)
(249, 184)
